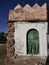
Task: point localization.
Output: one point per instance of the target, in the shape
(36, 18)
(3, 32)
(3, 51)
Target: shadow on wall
(47, 60)
(48, 17)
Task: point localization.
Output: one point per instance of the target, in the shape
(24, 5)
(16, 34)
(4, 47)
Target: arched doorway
(32, 42)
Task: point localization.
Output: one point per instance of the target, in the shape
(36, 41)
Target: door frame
(27, 39)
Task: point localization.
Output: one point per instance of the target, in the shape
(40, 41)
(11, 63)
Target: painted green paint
(33, 42)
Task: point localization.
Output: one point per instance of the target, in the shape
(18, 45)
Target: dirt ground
(22, 60)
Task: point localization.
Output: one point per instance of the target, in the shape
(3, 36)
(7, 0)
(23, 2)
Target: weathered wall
(3, 51)
(10, 40)
(28, 13)
(21, 29)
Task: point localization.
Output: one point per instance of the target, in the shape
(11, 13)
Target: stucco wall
(21, 29)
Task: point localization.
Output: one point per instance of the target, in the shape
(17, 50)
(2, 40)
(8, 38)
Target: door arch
(32, 41)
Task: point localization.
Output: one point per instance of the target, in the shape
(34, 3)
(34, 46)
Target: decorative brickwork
(29, 13)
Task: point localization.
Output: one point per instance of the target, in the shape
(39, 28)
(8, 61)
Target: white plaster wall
(21, 29)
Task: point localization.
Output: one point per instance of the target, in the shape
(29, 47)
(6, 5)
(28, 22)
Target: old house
(27, 30)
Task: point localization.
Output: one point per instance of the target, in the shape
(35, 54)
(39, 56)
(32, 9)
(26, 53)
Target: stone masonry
(20, 14)
(10, 42)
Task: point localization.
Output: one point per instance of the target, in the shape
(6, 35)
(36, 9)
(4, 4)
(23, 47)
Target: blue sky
(6, 5)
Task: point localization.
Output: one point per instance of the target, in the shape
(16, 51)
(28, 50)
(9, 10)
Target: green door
(33, 42)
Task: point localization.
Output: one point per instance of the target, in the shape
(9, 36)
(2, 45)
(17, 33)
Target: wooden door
(33, 42)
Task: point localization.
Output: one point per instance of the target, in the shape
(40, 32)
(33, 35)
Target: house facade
(27, 30)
